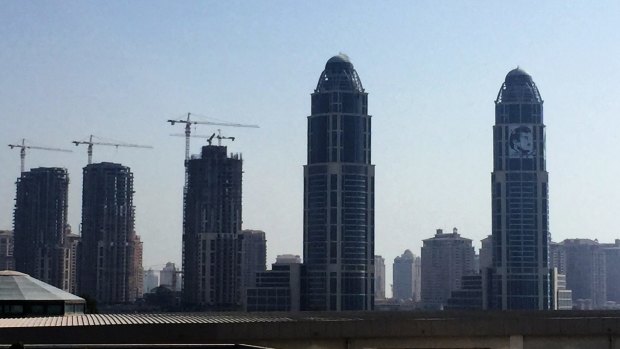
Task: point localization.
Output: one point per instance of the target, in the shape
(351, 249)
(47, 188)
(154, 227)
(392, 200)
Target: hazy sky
(432, 69)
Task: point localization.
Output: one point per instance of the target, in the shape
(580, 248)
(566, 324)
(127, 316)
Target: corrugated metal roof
(132, 319)
(167, 318)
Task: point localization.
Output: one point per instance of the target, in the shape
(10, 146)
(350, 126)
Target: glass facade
(520, 277)
(339, 194)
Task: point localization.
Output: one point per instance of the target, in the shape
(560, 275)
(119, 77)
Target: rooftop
(16, 286)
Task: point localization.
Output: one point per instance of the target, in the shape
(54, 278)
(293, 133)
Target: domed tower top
(408, 254)
(339, 75)
(518, 87)
(517, 72)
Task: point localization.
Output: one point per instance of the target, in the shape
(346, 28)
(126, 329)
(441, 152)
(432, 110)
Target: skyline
(120, 70)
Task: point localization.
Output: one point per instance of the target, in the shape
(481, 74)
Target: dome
(517, 72)
(340, 58)
(338, 63)
(518, 87)
(518, 76)
(339, 74)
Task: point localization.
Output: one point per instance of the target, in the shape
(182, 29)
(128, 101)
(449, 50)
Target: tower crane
(90, 144)
(209, 138)
(188, 133)
(188, 130)
(23, 147)
(220, 137)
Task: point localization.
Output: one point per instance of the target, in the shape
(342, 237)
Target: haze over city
(432, 71)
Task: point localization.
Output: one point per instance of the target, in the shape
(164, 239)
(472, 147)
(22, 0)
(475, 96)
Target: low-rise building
(277, 289)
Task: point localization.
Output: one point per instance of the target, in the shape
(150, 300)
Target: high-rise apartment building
(583, 261)
(339, 194)
(562, 297)
(211, 230)
(254, 256)
(403, 277)
(136, 283)
(520, 220)
(7, 261)
(446, 258)
(486, 254)
(72, 243)
(170, 277)
(612, 259)
(109, 251)
(151, 280)
(379, 277)
(40, 226)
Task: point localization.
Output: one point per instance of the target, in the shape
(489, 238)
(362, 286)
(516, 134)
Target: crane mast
(22, 151)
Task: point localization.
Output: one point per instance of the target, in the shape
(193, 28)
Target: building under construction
(109, 252)
(42, 249)
(211, 234)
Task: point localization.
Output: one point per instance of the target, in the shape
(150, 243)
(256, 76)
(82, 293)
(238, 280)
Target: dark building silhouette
(339, 194)
(40, 226)
(520, 220)
(212, 228)
(7, 260)
(109, 250)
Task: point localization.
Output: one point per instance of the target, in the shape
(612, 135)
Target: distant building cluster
(104, 262)
(224, 266)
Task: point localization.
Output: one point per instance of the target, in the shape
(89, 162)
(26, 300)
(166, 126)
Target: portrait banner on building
(521, 142)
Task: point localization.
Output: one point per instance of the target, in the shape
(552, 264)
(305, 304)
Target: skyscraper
(151, 280)
(169, 277)
(339, 194)
(40, 221)
(612, 259)
(379, 277)
(109, 250)
(211, 229)
(583, 261)
(254, 256)
(403, 276)
(446, 258)
(520, 221)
